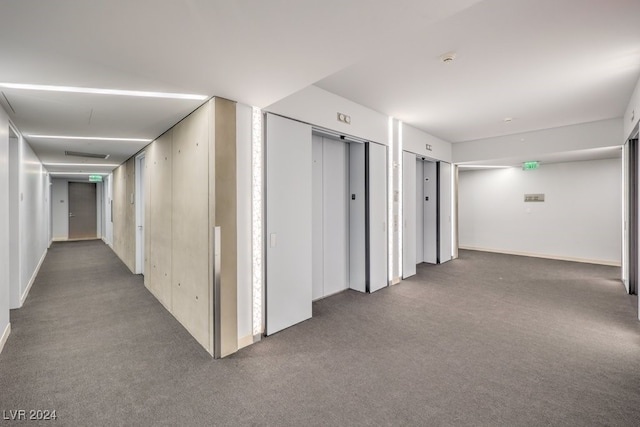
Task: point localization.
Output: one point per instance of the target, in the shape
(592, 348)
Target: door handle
(71, 215)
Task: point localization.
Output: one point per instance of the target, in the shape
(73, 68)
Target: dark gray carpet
(483, 340)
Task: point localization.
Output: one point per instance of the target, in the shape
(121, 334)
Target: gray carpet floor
(486, 339)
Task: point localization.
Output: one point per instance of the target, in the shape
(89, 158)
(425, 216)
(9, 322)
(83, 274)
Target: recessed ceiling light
(90, 165)
(102, 91)
(508, 119)
(98, 138)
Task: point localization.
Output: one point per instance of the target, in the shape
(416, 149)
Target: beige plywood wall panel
(124, 238)
(158, 227)
(226, 218)
(192, 294)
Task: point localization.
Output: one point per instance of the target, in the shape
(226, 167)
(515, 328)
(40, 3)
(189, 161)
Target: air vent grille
(90, 155)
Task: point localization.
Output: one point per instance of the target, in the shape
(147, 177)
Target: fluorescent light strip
(390, 203)
(86, 138)
(91, 165)
(400, 200)
(483, 166)
(79, 173)
(101, 91)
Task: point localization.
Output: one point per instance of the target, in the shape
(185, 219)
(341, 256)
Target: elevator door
(288, 223)
(330, 216)
(444, 212)
(82, 210)
(377, 216)
(426, 212)
(409, 259)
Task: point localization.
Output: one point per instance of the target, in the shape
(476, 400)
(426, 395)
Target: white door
(139, 202)
(445, 212)
(409, 230)
(377, 192)
(288, 223)
(317, 219)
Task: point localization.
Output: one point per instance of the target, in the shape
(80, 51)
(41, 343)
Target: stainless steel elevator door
(82, 210)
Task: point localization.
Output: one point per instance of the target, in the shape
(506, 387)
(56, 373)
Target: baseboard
(5, 336)
(545, 256)
(245, 341)
(58, 239)
(33, 278)
(104, 239)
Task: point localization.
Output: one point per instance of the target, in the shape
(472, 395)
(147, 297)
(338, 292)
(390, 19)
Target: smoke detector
(448, 58)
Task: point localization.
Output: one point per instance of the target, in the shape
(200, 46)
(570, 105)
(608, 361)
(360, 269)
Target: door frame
(140, 176)
(632, 224)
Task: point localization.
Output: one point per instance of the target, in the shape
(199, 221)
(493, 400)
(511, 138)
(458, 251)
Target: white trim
(245, 341)
(5, 336)
(140, 176)
(546, 256)
(24, 295)
(104, 239)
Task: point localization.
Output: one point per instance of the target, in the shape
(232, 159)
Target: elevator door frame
(633, 226)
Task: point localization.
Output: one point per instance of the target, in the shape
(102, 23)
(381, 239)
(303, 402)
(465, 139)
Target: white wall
(320, 108)
(34, 218)
(604, 133)
(60, 209)
(5, 326)
(630, 122)
(243, 187)
(415, 141)
(632, 114)
(580, 218)
(14, 219)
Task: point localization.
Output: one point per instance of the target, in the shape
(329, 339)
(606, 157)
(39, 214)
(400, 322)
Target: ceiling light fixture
(79, 173)
(102, 91)
(97, 138)
(508, 119)
(90, 165)
(484, 166)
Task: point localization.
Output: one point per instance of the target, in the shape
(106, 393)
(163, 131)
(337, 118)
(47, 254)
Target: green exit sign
(530, 165)
(95, 178)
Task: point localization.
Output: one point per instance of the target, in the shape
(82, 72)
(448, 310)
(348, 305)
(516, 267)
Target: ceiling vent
(89, 155)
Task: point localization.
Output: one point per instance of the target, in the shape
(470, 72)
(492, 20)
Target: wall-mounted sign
(534, 197)
(530, 165)
(95, 178)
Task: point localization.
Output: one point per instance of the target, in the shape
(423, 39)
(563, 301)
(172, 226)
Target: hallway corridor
(486, 339)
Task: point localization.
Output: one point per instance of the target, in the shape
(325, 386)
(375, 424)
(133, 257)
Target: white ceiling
(549, 158)
(546, 63)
